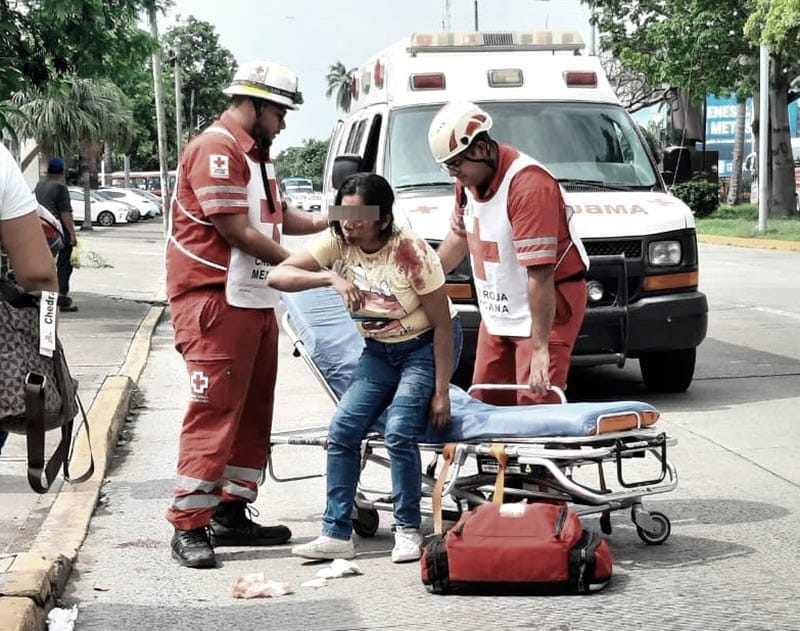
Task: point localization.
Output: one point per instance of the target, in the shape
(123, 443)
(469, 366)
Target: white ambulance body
(555, 104)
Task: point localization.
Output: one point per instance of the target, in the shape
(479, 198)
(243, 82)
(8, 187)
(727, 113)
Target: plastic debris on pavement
(256, 585)
(339, 568)
(59, 619)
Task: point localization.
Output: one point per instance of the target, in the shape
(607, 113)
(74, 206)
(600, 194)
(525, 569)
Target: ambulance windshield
(577, 141)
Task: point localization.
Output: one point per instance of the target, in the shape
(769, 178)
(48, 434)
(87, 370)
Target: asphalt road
(730, 563)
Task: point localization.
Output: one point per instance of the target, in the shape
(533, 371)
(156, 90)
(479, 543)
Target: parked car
(146, 207)
(105, 212)
(305, 201)
(313, 202)
(149, 196)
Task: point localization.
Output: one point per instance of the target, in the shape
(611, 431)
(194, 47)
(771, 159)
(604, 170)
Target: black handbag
(37, 392)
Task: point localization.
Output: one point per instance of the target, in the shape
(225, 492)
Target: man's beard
(263, 141)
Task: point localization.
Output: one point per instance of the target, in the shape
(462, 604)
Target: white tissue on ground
(62, 619)
(315, 582)
(339, 568)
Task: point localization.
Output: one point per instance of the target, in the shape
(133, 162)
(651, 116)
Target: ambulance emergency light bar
(501, 78)
(507, 41)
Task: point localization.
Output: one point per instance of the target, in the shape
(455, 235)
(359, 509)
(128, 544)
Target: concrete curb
(764, 244)
(30, 581)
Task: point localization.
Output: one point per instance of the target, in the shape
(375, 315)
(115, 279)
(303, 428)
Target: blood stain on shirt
(408, 260)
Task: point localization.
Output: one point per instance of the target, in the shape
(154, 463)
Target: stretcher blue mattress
(329, 336)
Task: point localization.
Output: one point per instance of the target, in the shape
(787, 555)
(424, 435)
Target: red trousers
(231, 356)
(507, 360)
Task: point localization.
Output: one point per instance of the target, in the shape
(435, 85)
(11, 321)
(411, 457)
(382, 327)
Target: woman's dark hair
(374, 191)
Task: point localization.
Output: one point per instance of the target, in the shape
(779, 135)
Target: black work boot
(192, 549)
(231, 526)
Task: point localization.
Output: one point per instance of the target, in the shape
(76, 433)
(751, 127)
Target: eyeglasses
(452, 166)
(280, 112)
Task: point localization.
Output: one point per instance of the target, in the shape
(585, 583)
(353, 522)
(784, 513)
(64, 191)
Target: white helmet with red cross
(267, 80)
(454, 127)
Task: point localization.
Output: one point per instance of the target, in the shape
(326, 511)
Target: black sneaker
(231, 526)
(192, 549)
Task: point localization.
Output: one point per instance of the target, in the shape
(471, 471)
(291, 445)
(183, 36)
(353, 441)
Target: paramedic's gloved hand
(539, 380)
(440, 410)
(351, 295)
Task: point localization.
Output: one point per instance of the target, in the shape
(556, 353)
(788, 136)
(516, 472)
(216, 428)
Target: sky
(310, 35)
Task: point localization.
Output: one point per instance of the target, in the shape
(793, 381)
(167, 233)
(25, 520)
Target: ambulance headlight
(595, 290)
(662, 253)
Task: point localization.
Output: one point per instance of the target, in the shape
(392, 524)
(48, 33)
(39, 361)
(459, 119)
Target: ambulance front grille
(498, 39)
(631, 248)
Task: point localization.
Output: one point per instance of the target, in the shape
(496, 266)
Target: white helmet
(454, 127)
(267, 80)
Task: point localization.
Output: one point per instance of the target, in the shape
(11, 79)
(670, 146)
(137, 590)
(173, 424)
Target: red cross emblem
(199, 382)
(423, 209)
(260, 70)
(481, 251)
(219, 162)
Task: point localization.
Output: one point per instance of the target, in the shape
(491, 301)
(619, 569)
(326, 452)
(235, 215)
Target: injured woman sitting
(392, 284)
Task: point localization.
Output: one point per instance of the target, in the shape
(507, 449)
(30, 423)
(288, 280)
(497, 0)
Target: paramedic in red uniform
(529, 269)
(225, 228)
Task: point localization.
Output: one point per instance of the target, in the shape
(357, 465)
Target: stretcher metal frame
(538, 468)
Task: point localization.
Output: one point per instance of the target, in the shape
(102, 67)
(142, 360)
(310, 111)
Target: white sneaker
(325, 547)
(407, 545)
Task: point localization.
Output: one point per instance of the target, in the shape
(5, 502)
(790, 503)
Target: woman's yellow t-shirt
(391, 279)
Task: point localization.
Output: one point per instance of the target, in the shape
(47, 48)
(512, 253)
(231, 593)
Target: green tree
(698, 46)
(777, 25)
(340, 82)
(307, 160)
(76, 115)
(206, 68)
(43, 42)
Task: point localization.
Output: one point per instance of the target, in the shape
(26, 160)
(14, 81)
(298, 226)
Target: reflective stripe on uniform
(522, 243)
(209, 190)
(242, 473)
(536, 248)
(195, 257)
(195, 484)
(198, 500)
(533, 256)
(239, 491)
(223, 203)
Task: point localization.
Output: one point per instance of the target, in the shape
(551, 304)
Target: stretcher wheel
(660, 535)
(366, 522)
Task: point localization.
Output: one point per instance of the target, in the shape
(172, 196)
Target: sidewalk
(106, 343)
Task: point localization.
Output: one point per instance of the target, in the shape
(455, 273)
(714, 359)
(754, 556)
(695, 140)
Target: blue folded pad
(332, 341)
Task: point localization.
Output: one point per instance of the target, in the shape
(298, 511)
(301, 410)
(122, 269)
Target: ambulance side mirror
(343, 167)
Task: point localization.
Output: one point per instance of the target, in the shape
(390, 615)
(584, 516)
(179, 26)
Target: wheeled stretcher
(599, 457)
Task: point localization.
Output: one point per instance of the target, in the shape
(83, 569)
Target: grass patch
(742, 222)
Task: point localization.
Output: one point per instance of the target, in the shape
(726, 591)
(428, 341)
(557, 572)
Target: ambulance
(553, 102)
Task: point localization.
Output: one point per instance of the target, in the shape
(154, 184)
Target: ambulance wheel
(670, 371)
(366, 523)
(663, 528)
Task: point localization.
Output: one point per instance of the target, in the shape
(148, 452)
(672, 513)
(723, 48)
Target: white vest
(501, 283)
(246, 278)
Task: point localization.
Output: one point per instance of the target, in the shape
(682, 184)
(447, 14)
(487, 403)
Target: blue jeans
(398, 378)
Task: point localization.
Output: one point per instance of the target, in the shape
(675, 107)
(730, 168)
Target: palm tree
(75, 114)
(340, 80)
(734, 192)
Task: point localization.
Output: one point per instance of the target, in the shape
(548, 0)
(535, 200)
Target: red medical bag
(517, 548)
